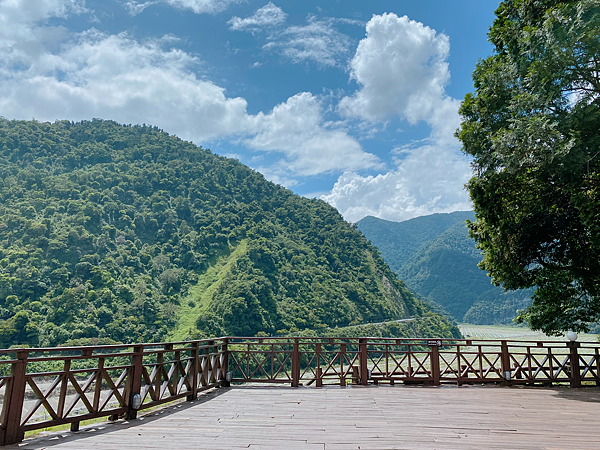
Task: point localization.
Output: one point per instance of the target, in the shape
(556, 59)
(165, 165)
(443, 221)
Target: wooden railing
(40, 388)
(424, 361)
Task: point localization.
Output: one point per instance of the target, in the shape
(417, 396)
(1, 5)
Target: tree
(532, 127)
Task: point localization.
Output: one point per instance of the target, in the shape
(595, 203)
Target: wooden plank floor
(374, 417)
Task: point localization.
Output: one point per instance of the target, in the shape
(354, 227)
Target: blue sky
(354, 102)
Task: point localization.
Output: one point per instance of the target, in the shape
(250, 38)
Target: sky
(353, 102)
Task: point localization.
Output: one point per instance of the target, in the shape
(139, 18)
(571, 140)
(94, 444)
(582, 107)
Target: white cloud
(296, 129)
(402, 71)
(30, 11)
(136, 8)
(429, 180)
(22, 42)
(196, 6)
(318, 41)
(114, 76)
(401, 68)
(202, 6)
(268, 15)
(48, 73)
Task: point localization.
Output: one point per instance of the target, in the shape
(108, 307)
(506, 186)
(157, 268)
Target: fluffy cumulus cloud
(21, 41)
(268, 15)
(114, 76)
(426, 182)
(295, 128)
(49, 73)
(196, 6)
(401, 70)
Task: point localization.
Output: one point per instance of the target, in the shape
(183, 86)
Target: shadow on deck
(358, 417)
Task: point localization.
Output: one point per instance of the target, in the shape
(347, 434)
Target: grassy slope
(199, 296)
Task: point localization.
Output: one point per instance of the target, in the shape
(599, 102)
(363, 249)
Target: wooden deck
(373, 417)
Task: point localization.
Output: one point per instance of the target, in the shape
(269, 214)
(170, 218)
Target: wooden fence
(41, 388)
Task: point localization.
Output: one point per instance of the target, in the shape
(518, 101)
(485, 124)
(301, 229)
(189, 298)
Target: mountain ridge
(444, 269)
(400, 240)
(110, 232)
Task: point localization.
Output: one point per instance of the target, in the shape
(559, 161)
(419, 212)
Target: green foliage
(19, 328)
(110, 231)
(493, 308)
(444, 270)
(398, 241)
(532, 127)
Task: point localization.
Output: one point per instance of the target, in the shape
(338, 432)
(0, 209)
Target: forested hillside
(444, 269)
(398, 241)
(125, 233)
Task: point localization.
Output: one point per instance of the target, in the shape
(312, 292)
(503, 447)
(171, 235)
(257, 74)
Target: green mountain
(398, 241)
(125, 233)
(444, 268)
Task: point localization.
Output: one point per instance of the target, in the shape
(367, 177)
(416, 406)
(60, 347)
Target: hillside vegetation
(444, 268)
(398, 241)
(125, 233)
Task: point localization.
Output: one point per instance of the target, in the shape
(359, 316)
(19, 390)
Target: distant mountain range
(437, 259)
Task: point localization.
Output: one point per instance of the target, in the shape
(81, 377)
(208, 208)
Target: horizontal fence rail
(46, 387)
(42, 388)
(340, 361)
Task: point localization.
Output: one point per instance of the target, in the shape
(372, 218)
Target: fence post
(363, 356)
(319, 372)
(574, 360)
(505, 364)
(176, 370)
(459, 378)
(13, 401)
(296, 364)
(342, 356)
(435, 364)
(211, 361)
(194, 352)
(597, 367)
(137, 361)
(224, 362)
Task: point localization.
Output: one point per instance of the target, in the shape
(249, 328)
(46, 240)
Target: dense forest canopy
(111, 232)
(399, 241)
(532, 127)
(441, 264)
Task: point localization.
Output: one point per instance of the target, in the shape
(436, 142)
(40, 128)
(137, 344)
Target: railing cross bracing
(45, 387)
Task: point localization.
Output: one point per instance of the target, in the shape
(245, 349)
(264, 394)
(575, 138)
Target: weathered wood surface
(373, 417)
(101, 381)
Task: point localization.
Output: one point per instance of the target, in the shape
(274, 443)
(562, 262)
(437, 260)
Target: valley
(438, 260)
